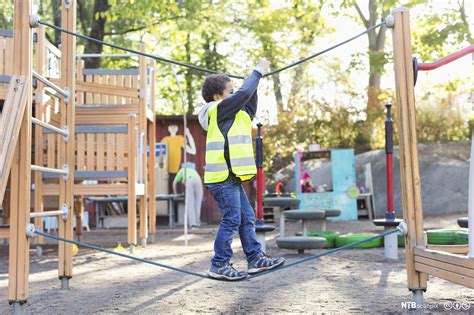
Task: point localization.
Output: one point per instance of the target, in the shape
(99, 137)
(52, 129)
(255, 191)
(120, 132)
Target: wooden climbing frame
(421, 261)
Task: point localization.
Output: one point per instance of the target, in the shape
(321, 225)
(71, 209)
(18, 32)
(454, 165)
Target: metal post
(260, 183)
(282, 222)
(390, 241)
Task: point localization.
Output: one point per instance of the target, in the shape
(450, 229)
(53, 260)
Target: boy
(227, 117)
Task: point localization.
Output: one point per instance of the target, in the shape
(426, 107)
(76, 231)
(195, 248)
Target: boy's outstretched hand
(262, 66)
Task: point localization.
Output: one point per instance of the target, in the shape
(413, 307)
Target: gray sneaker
(226, 272)
(264, 263)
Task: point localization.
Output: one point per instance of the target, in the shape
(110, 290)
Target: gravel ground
(353, 281)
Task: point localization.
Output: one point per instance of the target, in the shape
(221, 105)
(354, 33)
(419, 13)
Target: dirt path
(354, 281)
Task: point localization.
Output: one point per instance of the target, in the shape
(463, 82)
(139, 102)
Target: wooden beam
(41, 63)
(453, 249)
(10, 125)
(461, 270)
(151, 158)
(132, 205)
(439, 272)
(409, 170)
(89, 190)
(67, 150)
(449, 258)
(18, 266)
(143, 135)
(151, 177)
(106, 89)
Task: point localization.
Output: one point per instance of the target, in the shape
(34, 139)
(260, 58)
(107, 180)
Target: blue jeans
(237, 216)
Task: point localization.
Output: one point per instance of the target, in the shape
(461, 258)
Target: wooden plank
(121, 145)
(453, 259)
(51, 151)
(81, 152)
(8, 70)
(112, 82)
(409, 175)
(21, 170)
(132, 205)
(90, 144)
(96, 80)
(128, 84)
(99, 88)
(10, 122)
(100, 151)
(446, 275)
(79, 78)
(89, 96)
(110, 165)
(460, 270)
(453, 249)
(151, 176)
(103, 79)
(119, 81)
(41, 61)
(68, 79)
(143, 136)
(89, 190)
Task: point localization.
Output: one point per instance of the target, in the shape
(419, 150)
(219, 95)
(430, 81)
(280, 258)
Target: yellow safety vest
(241, 155)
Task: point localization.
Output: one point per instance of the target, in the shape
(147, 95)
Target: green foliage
(442, 113)
(6, 14)
(230, 36)
(441, 32)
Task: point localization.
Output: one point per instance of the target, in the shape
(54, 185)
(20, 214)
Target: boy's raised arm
(231, 105)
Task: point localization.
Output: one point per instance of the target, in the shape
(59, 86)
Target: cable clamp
(65, 210)
(402, 228)
(66, 136)
(34, 21)
(389, 21)
(30, 230)
(66, 170)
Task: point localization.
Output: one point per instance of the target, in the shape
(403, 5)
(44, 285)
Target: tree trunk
(56, 10)
(97, 31)
(278, 93)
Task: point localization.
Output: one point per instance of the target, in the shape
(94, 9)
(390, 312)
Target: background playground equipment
(389, 222)
(421, 260)
(343, 181)
(106, 144)
(330, 236)
(302, 242)
(16, 137)
(260, 227)
(463, 222)
(343, 240)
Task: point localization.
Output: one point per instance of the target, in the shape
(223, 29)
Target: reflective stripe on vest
(241, 155)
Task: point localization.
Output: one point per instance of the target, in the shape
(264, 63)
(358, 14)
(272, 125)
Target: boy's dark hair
(214, 84)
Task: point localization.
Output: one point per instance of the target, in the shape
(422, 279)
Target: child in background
(306, 183)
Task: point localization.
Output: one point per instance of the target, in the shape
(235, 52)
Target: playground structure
(16, 131)
(102, 139)
(343, 176)
(421, 261)
(110, 146)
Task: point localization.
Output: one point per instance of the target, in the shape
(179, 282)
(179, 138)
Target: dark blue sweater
(244, 99)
